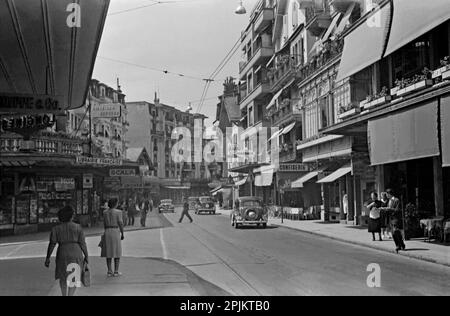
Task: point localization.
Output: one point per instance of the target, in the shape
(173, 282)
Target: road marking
(163, 244)
(14, 251)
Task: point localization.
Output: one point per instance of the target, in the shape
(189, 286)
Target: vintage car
(205, 205)
(193, 202)
(249, 211)
(166, 206)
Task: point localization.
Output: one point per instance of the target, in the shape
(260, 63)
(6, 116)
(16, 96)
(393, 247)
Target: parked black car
(250, 211)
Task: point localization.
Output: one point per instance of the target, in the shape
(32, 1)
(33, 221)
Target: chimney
(230, 87)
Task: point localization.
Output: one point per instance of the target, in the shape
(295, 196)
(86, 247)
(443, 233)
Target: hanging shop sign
(88, 181)
(109, 110)
(293, 167)
(91, 161)
(27, 123)
(30, 104)
(117, 172)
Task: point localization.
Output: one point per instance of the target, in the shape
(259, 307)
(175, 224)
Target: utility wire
(148, 5)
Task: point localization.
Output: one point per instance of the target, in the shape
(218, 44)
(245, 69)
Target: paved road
(278, 261)
(223, 260)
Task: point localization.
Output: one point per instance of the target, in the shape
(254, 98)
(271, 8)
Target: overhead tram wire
(149, 5)
(218, 69)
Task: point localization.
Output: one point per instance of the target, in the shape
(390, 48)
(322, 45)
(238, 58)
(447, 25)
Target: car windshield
(252, 203)
(166, 202)
(205, 200)
(193, 199)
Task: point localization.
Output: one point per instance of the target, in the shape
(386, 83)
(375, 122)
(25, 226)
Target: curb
(417, 257)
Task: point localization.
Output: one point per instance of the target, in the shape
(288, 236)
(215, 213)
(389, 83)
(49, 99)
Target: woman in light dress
(112, 243)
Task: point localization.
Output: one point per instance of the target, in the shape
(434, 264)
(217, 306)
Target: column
(341, 197)
(357, 198)
(350, 195)
(438, 186)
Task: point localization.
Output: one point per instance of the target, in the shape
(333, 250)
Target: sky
(188, 37)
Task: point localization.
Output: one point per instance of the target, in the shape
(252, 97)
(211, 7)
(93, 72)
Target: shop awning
(278, 133)
(307, 177)
(289, 128)
(215, 190)
(274, 99)
(336, 175)
(360, 52)
(407, 135)
(241, 182)
(445, 131)
(413, 18)
(340, 28)
(264, 179)
(45, 51)
(333, 24)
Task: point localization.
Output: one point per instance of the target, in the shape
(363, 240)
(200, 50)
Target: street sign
(107, 110)
(88, 181)
(98, 161)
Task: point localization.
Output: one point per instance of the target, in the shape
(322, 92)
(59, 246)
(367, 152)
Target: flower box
(438, 72)
(349, 113)
(394, 91)
(377, 102)
(415, 87)
(446, 75)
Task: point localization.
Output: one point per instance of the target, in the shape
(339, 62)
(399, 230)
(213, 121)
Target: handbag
(102, 241)
(86, 275)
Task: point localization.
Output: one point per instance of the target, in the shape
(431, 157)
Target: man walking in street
(144, 210)
(185, 211)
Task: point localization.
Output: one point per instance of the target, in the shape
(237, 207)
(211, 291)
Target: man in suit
(396, 222)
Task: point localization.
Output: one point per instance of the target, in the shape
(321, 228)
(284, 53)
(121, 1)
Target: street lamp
(240, 9)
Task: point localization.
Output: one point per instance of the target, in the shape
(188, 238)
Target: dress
(374, 218)
(71, 241)
(112, 247)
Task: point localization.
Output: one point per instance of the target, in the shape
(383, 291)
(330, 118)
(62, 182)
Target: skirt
(67, 254)
(374, 225)
(112, 246)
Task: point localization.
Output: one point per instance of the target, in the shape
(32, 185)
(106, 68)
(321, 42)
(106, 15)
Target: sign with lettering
(109, 110)
(98, 161)
(27, 123)
(293, 167)
(30, 104)
(122, 172)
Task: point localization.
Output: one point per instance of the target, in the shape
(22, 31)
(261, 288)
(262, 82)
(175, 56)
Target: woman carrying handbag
(72, 255)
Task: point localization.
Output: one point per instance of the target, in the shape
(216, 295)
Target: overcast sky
(189, 37)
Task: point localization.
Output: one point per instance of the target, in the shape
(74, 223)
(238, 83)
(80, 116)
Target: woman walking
(71, 248)
(112, 243)
(374, 216)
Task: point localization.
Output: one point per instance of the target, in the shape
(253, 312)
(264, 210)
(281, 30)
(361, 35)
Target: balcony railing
(261, 53)
(330, 51)
(281, 74)
(43, 144)
(317, 20)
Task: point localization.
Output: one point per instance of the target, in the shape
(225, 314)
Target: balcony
(288, 153)
(343, 5)
(317, 20)
(45, 144)
(260, 90)
(264, 19)
(331, 51)
(280, 75)
(285, 112)
(263, 53)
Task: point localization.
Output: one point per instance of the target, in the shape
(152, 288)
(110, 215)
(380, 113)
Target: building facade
(326, 92)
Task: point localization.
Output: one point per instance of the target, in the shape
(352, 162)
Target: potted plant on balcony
(416, 83)
(348, 110)
(443, 69)
(377, 99)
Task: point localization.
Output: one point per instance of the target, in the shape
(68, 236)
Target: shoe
(397, 249)
(117, 274)
(110, 274)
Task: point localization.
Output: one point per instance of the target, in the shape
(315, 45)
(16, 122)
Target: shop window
(6, 201)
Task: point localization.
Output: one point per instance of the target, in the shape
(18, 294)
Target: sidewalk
(154, 221)
(418, 248)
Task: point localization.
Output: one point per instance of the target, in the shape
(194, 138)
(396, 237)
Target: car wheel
(232, 222)
(236, 225)
(264, 225)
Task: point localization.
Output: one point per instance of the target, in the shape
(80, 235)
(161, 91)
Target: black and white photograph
(221, 154)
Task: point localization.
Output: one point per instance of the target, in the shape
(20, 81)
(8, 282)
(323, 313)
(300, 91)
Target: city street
(209, 257)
